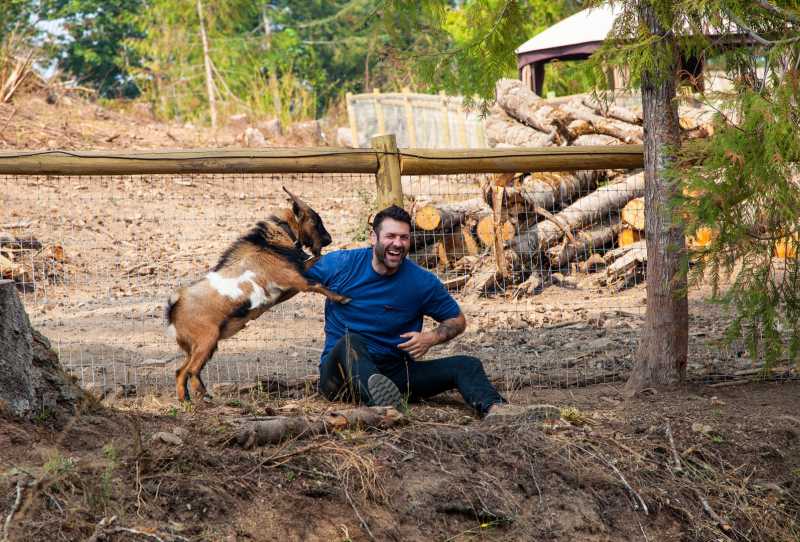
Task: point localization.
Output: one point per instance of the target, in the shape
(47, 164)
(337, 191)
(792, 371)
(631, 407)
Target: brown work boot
(506, 412)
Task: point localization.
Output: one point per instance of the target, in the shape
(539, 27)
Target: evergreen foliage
(744, 182)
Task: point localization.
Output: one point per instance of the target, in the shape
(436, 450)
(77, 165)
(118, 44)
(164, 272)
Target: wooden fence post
(387, 179)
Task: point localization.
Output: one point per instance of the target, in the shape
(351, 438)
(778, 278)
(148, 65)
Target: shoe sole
(384, 392)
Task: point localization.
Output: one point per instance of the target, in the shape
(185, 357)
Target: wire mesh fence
(528, 258)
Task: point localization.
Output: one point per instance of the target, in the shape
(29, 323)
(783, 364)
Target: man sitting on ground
(374, 344)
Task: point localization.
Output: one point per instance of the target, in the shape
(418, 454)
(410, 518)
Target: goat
(262, 268)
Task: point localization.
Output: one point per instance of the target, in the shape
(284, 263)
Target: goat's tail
(169, 312)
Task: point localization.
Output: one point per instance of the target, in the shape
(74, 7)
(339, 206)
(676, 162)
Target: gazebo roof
(577, 36)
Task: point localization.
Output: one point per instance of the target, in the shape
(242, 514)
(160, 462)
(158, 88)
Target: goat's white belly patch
(231, 288)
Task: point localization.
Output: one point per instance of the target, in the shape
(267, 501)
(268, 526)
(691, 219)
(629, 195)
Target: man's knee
(471, 363)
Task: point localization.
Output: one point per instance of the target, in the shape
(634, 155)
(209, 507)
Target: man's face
(392, 243)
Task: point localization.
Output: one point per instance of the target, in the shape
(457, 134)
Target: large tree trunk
(31, 379)
(662, 353)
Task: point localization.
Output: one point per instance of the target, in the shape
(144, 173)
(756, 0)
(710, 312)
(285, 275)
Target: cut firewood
(522, 104)
(611, 110)
(529, 286)
(585, 243)
(275, 429)
(449, 216)
(627, 266)
(585, 211)
(592, 264)
(590, 140)
(456, 282)
(579, 127)
(483, 282)
(613, 255)
(550, 190)
(692, 117)
(500, 128)
(485, 230)
(499, 243)
(629, 133)
(704, 235)
(628, 235)
(633, 213)
(471, 247)
(430, 255)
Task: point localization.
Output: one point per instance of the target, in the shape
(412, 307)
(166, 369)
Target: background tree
(742, 182)
(92, 48)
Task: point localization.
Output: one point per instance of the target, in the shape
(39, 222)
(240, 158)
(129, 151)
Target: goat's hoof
(345, 300)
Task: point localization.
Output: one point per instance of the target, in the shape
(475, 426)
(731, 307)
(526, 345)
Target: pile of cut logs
(27, 261)
(528, 228)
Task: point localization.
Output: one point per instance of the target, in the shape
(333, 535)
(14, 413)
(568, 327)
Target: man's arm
(419, 343)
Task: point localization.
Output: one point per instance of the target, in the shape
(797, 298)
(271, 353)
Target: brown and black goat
(261, 269)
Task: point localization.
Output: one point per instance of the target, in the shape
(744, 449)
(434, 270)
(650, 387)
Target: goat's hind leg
(181, 383)
(200, 356)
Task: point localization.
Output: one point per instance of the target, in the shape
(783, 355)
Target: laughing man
(375, 345)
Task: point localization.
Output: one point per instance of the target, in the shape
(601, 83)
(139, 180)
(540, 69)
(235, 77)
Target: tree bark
(16, 354)
(212, 98)
(663, 350)
(31, 379)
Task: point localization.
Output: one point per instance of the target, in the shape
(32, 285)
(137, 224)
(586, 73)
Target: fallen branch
(277, 429)
(723, 524)
(675, 455)
(14, 508)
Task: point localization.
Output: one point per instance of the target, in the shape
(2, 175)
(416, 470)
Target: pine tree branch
(779, 12)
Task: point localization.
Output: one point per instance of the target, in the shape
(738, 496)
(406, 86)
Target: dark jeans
(345, 370)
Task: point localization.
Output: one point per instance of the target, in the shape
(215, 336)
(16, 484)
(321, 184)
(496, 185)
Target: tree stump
(31, 378)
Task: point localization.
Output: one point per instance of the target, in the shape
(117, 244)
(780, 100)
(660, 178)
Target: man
(374, 345)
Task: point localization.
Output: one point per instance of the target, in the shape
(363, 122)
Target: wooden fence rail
(319, 160)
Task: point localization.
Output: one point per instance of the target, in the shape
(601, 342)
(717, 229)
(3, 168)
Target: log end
(428, 218)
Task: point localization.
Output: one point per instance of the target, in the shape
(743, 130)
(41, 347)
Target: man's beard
(380, 253)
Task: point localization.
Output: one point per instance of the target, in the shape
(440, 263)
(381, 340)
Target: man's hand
(418, 343)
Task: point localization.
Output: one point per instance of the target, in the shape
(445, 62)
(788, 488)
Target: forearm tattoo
(447, 330)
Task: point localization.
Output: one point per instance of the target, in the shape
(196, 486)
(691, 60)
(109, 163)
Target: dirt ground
(443, 475)
(609, 473)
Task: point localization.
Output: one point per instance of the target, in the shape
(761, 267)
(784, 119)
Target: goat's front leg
(333, 296)
(309, 263)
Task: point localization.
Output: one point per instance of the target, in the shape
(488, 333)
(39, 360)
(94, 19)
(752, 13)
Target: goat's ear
(299, 207)
(297, 211)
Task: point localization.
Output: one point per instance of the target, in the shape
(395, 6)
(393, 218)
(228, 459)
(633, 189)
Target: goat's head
(312, 234)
